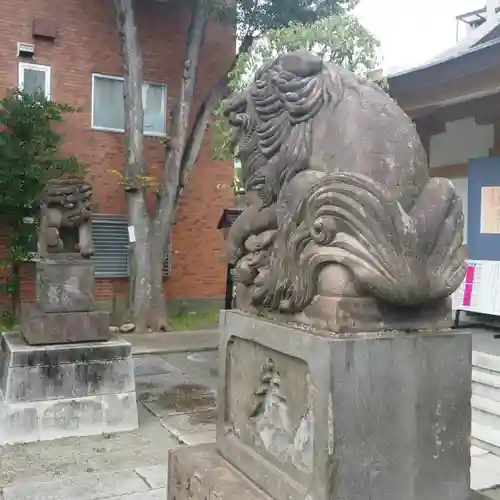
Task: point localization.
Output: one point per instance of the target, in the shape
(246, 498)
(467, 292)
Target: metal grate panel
(111, 248)
(167, 262)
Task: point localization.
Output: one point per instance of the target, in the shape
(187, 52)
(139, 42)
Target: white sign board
(131, 234)
(480, 290)
(490, 210)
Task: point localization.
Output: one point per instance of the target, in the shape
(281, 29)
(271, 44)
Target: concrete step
(485, 411)
(486, 384)
(487, 362)
(485, 437)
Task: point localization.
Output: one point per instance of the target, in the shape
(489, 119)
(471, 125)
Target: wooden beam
(495, 150)
(450, 171)
(427, 127)
(466, 89)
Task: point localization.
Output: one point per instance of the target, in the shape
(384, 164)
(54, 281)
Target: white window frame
(37, 67)
(118, 130)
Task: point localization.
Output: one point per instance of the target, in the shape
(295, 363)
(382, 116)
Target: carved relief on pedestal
(273, 426)
(270, 411)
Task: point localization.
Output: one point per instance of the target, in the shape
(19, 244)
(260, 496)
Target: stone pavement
(176, 395)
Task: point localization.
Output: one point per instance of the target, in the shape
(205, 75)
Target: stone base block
(65, 285)
(67, 390)
(199, 472)
(362, 314)
(41, 328)
(311, 414)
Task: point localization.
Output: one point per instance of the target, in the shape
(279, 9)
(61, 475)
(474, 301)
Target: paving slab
(149, 495)
(174, 394)
(485, 472)
(190, 360)
(182, 399)
(154, 476)
(200, 366)
(88, 487)
(151, 387)
(74, 457)
(145, 366)
(192, 428)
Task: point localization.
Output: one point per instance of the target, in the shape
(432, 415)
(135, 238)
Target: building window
(108, 110)
(112, 248)
(34, 78)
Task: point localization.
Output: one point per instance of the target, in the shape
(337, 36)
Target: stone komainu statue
(345, 205)
(66, 213)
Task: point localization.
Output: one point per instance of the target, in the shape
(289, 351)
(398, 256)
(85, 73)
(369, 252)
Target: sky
(413, 31)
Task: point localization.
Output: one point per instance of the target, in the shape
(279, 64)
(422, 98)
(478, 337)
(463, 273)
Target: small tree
(254, 18)
(340, 38)
(29, 157)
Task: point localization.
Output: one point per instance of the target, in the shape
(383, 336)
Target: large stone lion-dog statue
(342, 199)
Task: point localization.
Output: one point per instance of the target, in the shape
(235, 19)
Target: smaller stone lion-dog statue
(343, 206)
(66, 213)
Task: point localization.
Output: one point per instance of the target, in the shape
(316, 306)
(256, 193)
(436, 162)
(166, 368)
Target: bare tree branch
(218, 92)
(196, 33)
(180, 124)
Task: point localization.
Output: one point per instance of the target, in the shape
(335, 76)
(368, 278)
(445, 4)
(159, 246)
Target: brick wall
(87, 43)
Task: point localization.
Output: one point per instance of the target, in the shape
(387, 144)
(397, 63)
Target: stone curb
(172, 342)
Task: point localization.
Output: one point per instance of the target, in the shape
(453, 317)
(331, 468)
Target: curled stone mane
(343, 181)
(274, 121)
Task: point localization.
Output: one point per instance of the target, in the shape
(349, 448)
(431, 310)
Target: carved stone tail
(402, 258)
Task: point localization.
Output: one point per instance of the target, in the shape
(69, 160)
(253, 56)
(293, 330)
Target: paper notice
(131, 234)
(490, 210)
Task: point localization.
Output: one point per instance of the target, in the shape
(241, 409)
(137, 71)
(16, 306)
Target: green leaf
(337, 37)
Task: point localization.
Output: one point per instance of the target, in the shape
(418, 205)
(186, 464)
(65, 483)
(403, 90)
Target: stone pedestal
(43, 328)
(307, 414)
(50, 392)
(65, 309)
(65, 285)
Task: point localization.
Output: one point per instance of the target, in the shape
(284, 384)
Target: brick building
(77, 61)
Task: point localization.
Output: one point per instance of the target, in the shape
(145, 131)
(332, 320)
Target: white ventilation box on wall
(25, 50)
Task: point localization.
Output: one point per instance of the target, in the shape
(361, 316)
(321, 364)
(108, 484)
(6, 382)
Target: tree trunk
(164, 219)
(135, 164)
(184, 150)
(158, 314)
(153, 237)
